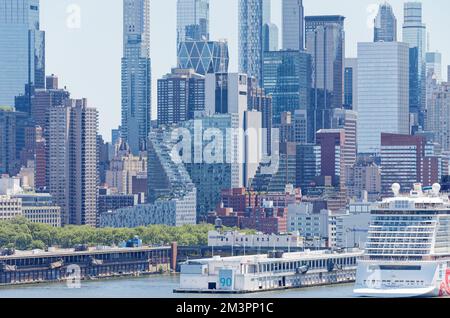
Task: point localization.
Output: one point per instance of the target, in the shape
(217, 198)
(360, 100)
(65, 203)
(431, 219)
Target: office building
(204, 56)
(383, 93)
(73, 161)
(318, 229)
(351, 84)
(136, 74)
(40, 208)
(308, 166)
(325, 41)
(192, 20)
(438, 113)
(352, 228)
(347, 120)
(385, 27)
(270, 36)
(180, 95)
(22, 50)
(277, 175)
(333, 157)
(404, 161)
(287, 77)
(13, 130)
(257, 99)
(251, 39)
(10, 208)
(293, 25)
(415, 34)
(364, 181)
(434, 66)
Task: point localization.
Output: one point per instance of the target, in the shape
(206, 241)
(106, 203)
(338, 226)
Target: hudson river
(154, 287)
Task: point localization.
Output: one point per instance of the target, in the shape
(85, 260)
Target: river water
(160, 286)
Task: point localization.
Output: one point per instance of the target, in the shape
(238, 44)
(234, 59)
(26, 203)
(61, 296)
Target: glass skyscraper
(325, 41)
(287, 77)
(204, 56)
(192, 20)
(251, 38)
(414, 33)
(293, 25)
(385, 28)
(136, 74)
(22, 50)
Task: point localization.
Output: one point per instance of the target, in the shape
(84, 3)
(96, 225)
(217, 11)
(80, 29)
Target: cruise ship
(408, 246)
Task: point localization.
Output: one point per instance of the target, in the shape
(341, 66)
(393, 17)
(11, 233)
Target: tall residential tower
(136, 74)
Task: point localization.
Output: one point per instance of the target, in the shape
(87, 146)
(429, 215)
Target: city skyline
(108, 51)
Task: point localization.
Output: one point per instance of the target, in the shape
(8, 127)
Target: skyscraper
(73, 161)
(136, 74)
(351, 84)
(204, 56)
(12, 139)
(434, 66)
(251, 38)
(287, 76)
(414, 33)
(270, 30)
(325, 41)
(383, 92)
(385, 28)
(22, 50)
(192, 20)
(180, 94)
(293, 25)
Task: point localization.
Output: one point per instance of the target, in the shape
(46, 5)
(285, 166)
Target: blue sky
(86, 53)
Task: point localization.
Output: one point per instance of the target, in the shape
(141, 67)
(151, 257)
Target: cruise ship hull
(403, 280)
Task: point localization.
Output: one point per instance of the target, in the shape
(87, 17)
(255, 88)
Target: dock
(33, 267)
(262, 273)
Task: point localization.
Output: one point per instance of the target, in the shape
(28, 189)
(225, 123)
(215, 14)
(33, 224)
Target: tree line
(22, 234)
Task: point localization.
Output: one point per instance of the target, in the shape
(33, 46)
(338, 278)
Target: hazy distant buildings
(73, 161)
(385, 29)
(22, 50)
(136, 74)
(180, 95)
(293, 25)
(383, 92)
(325, 41)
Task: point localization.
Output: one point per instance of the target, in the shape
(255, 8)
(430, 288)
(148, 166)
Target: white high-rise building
(73, 161)
(293, 25)
(383, 92)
